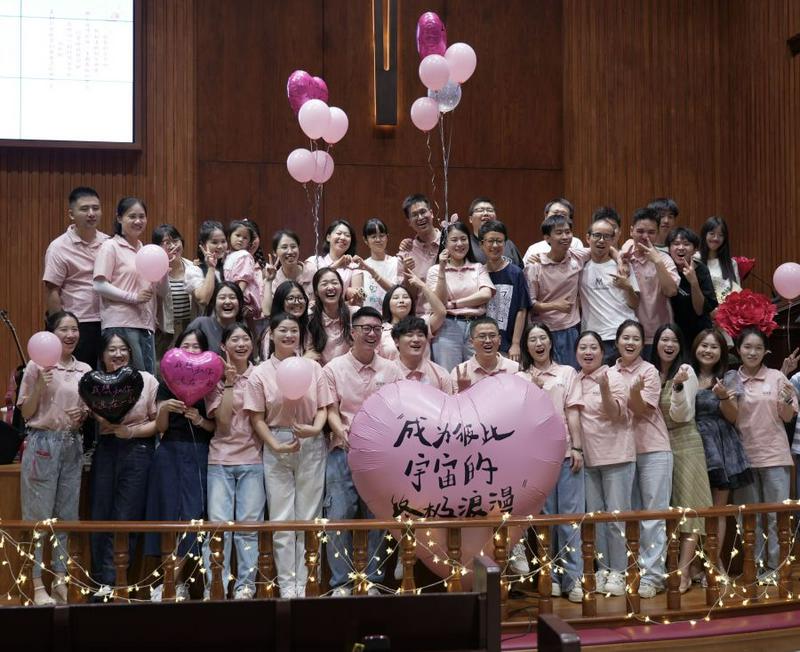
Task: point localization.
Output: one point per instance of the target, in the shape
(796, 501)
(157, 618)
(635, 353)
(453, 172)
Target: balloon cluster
(308, 97)
(442, 70)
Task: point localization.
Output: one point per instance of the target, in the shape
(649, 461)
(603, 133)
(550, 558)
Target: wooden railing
(15, 532)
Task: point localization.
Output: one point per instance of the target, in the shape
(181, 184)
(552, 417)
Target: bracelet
(727, 398)
(228, 386)
(578, 450)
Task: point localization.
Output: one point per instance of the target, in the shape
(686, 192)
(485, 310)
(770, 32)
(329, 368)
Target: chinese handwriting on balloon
(467, 506)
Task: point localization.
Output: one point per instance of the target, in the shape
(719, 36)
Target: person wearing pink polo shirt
(423, 248)
(352, 378)
(128, 302)
(286, 247)
(235, 476)
(399, 303)
(766, 401)
(339, 249)
(609, 452)
(655, 272)
(329, 321)
(558, 206)
(653, 485)
(569, 495)
(50, 474)
(484, 336)
(553, 285)
(69, 267)
(465, 288)
(410, 335)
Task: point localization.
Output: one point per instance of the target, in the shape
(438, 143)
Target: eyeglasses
(366, 329)
(493, 242)
(487, 337)
(294, 300)
(608, 237)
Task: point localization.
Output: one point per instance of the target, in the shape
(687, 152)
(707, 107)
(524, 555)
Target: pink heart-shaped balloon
(431, 35)
(301, 87)
(191, 376)
(417, 452)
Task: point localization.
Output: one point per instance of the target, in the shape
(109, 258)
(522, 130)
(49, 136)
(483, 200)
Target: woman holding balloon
(287, 397)
(122, 458)
(50, 477)
(125, 282)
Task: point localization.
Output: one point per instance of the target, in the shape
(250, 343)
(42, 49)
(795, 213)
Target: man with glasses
(511, 302)
(352, 378)
(484, 334)
(481, 211)
(607, 296)
(423, 248)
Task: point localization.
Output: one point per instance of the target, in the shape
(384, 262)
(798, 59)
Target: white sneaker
(519, 562)
(398, 569)
(555, 590)
(614, 584)
(373, 590)
(244, 592)
(41, 597)
(181, 592)
(575, 594)
(340, 592)
(600, 578)
(288, 591)
(647, 590)
(104, 592)
(58, 591)
(155, 593)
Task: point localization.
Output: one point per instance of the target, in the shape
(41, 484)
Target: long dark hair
(105, 339)
(724, 251)
(207, 229)
(230, 329)
(458, 226)
(525, 358)
(202, 339)
(279, 306)
(239, 297)
(722, 365)
(319, 337)
(679, 359)
(386, 307)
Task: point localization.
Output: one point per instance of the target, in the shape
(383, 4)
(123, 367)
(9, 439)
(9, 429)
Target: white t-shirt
(386, 268)
(542, 247)
(603, 305)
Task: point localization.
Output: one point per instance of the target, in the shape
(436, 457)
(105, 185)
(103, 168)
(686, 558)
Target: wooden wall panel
(35, 183)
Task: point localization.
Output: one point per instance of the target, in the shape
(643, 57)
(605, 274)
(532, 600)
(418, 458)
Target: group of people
(620, 334)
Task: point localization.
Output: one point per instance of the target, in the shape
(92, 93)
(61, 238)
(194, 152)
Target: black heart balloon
(111, 395)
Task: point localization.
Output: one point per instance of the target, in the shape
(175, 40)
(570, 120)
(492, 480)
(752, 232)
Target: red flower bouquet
(746, 308)
(745, 266)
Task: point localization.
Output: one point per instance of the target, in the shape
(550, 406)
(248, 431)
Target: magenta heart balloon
(417, 452)
(431, 35)
(301, 87)
(191, 376)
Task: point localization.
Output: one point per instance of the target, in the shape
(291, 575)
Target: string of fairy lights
(415, 535)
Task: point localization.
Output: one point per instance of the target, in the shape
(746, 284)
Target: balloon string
(317, 200)
(431, 168)
(788, 325)
(445, 163)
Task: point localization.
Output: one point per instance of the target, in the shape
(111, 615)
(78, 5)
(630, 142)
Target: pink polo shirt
(144, 410)
(462, 282)
(654, 308)
(428, 373)
(476, 373)
(549, 281)
(337, 344)
(61, 393)
(304, 279)
(762, 430)
(116, 263)
(605, 441)
(424, 256)
(351, 382)
(315, 263)
(69, 265)
(561, 383)
(649, 430)
(238, 443)
(262, 394)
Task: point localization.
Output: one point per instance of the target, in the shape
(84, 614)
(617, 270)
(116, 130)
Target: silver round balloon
(448, 97)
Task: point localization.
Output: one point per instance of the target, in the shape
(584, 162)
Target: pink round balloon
(314, 117)
(425, 113)
(301, 165)
(462, 61)
(431, 35)
(417, 452)
(337, 127)
(434, 71)
(191, 376)
(294, 376)
(301, 87)
(44, 348)
(152, 262)
(786, 280)
(324, 167)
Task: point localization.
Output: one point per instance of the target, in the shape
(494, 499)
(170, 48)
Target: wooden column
(545, 573)
(121, 559)
(168, 565)
(501, 557)
(632, 599)
(712, 559)
(454, 553)
(360, 542)
(216, 562)
(266, 566)
(673, 554)
(749, 558)
(785, 547)
(312, 563)
(589, 607)
(408, 557)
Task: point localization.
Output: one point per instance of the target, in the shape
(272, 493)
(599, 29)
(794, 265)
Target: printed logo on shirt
(500, 305)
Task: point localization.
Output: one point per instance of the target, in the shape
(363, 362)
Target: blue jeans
(50, 486)
(609, 488)
(451, 345)
(567, 497)
(236, 493)
(651, 491)
(120, 470)
(770, 485)
(343, 502)
(564, 343)
(143, 346)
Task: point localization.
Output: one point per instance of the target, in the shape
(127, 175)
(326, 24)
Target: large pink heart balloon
(417, 452)
(431, 35)
(191, 376)
(301, 87)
